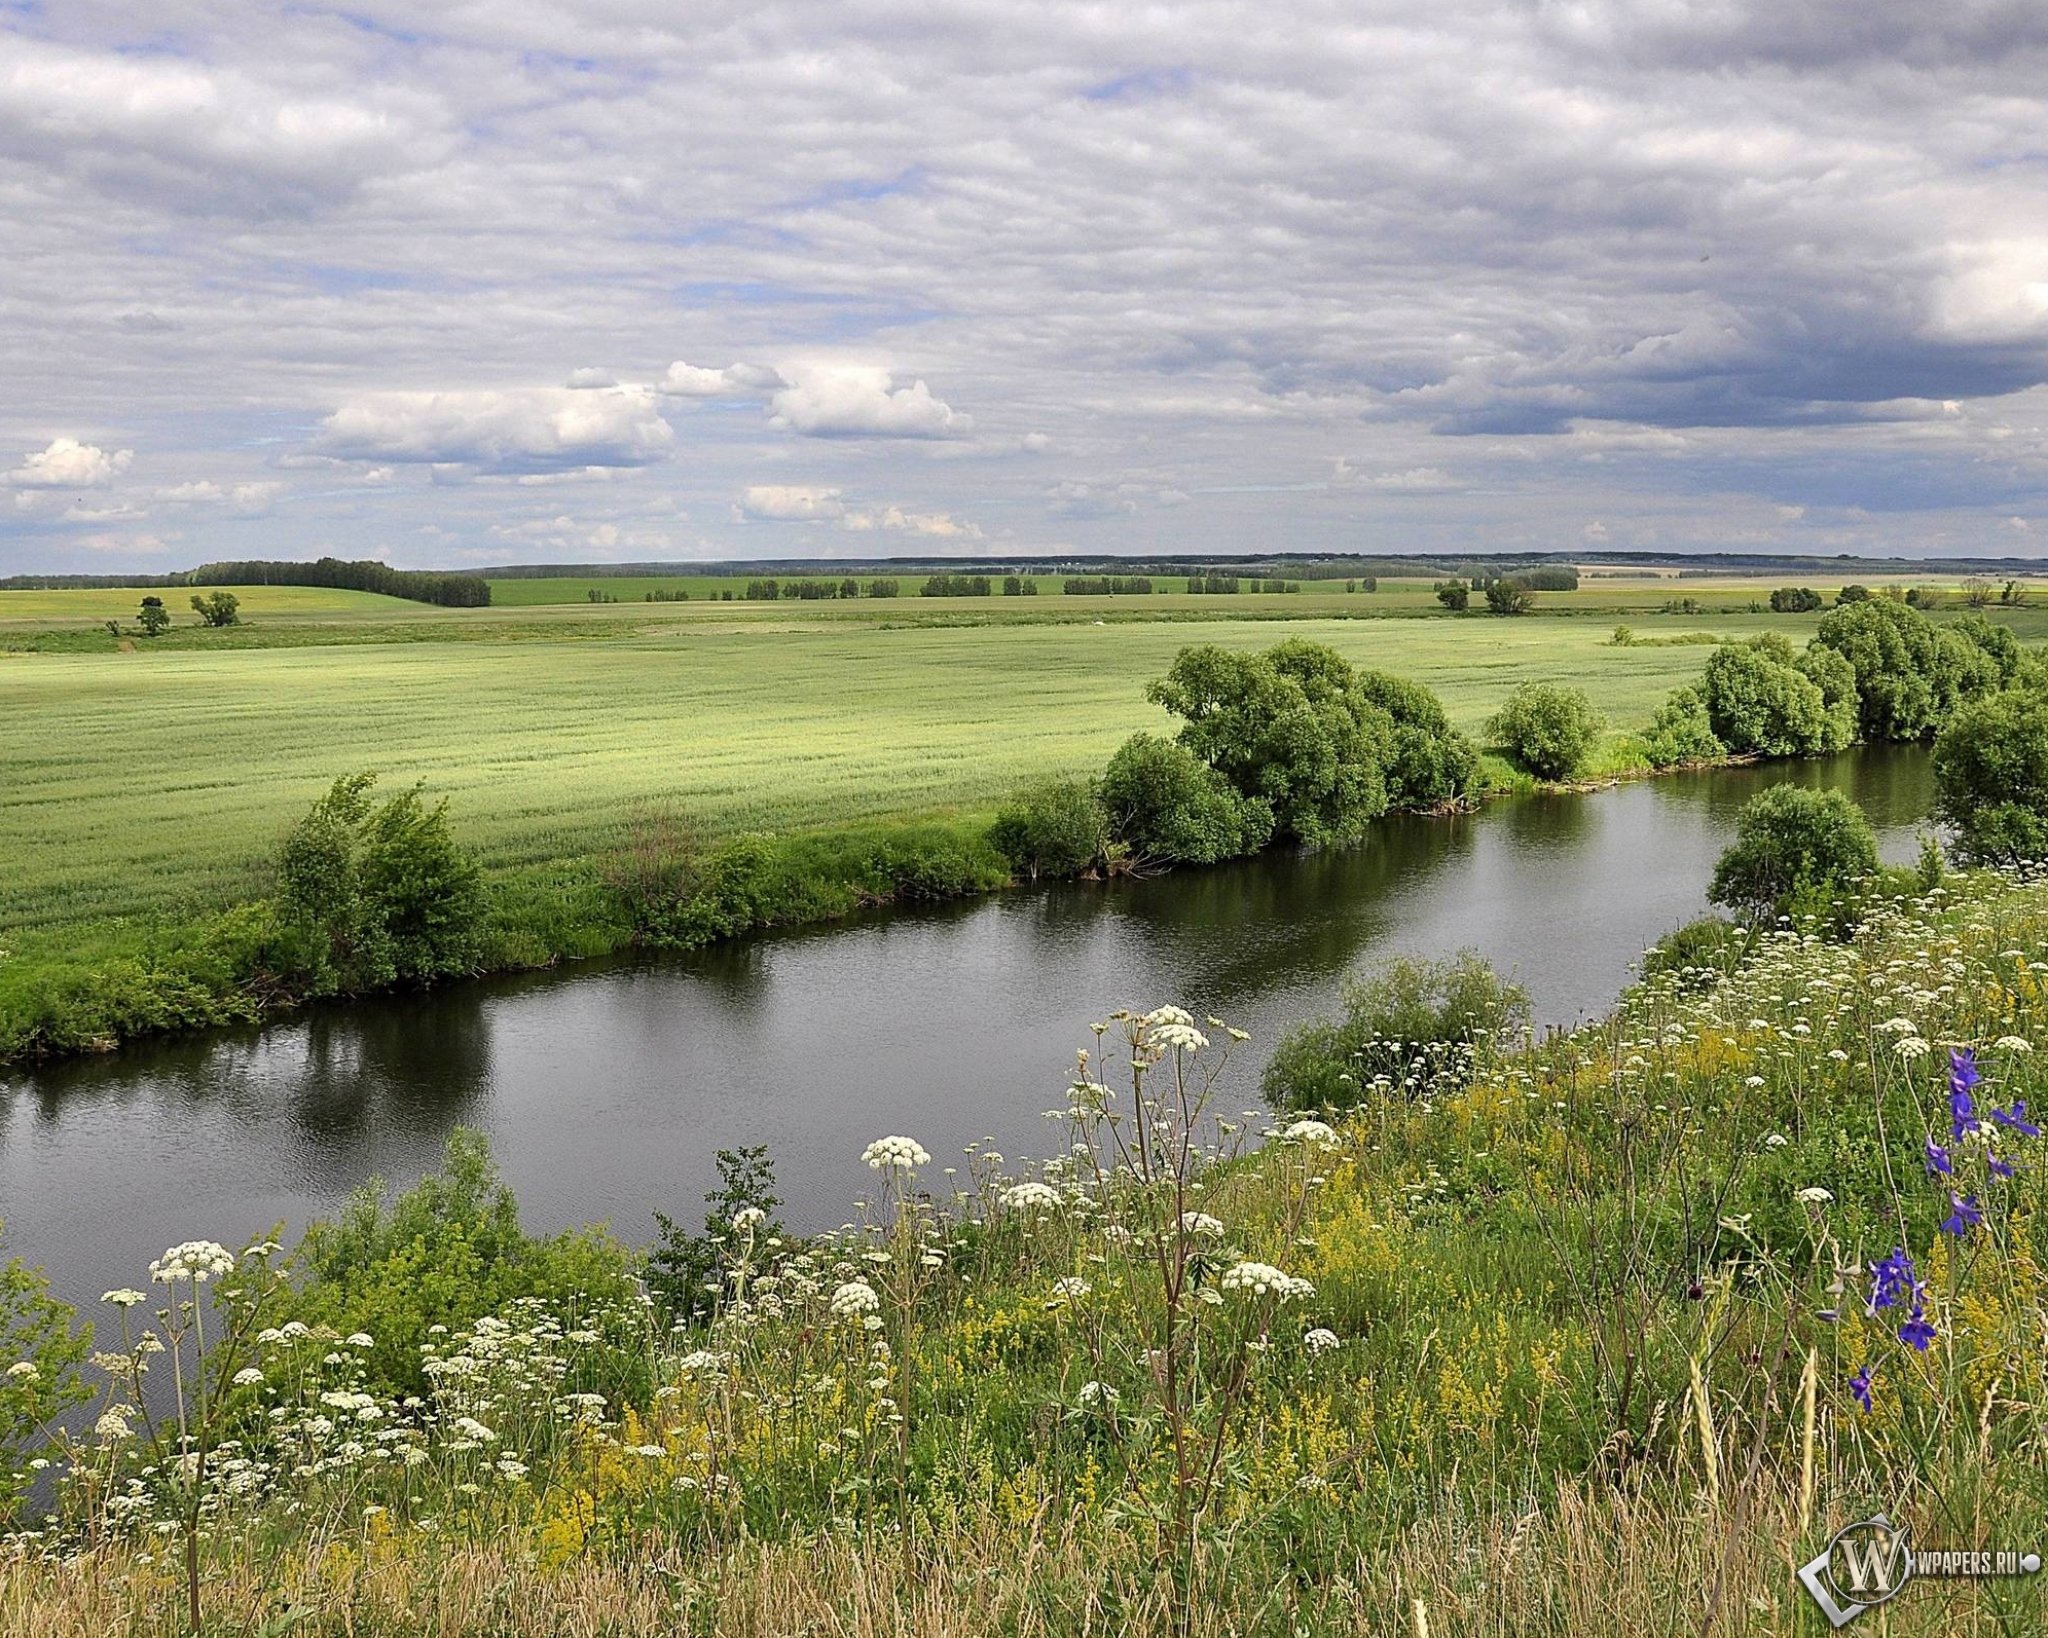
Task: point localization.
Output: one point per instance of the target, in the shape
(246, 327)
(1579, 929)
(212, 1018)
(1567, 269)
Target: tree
(1979, 592)
(1791, 838)
(1550, 730)
(1760, 703)
(1430, 765)
(1292, 728)
(1163, 802)
(1455, 595)
(1794, 600)
(1991, 778)
(153, 617)
(1682, 731)
(1054, 829)
(1509, 597)
(218, 609)
(1852, 594)
(1910, 673)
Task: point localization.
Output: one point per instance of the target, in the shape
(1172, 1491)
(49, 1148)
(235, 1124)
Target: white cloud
(535, 428)
(696, 381)
(592, 377)
(65, 463)
(790, 503)
(186, 494)
(861, 400)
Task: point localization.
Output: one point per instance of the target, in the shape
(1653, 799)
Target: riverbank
(1482, 1361)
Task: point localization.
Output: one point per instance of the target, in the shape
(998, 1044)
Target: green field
(161, 778)
(93, 604)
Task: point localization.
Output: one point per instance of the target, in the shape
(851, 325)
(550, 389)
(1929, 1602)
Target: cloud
(790, 503)
(862, 401)
(932, 525)
(65, 463)
(694, 381)
(529, 429)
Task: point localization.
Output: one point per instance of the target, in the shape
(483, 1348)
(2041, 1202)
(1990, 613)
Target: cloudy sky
(547, 280)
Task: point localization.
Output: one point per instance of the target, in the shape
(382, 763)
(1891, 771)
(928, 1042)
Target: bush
(448, 1251)
(1430, 765)
(380, 893)
(221, 608)
(1760, 703)
(1291, 728)
(1791, 839)
(1165, 803)
(1699, 954)
(39, 1380)
(1550, 730)
(1910, 673)
(1991, 778)
(1852, 594)
(1054, 829)
(1412, 1017)
(1455, 595)
(1794, 600)
(1682, 731)
(1508, 596)
(687, 1273)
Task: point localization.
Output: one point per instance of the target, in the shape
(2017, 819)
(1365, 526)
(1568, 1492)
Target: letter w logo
(1874, 1564)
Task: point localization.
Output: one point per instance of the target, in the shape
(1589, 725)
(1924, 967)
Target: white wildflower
(1321, 1340)
(1263, 1279)
(896, 1153)
(2012, 1043)
(854, 1298)
(124, 1298)
(195, 1260)
(1031, 1197)
(1099, 1394)
(1200, 1222)
(1319, 1133)
(1815, 1196)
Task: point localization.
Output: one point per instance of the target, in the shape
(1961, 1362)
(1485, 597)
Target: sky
(499, 281)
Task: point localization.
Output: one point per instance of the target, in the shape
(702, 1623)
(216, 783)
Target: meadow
(1599, 1335)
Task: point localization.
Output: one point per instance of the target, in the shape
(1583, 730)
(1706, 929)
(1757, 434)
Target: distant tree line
(1107, 586)
(1019, 585)
(454, 591)
(768, 591)
(956, 585)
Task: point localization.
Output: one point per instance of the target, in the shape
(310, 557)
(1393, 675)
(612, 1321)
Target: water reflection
(606, 1090)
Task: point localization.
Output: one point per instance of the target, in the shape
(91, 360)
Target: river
(606, 1089)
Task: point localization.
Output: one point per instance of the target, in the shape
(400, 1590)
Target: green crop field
(162, 778)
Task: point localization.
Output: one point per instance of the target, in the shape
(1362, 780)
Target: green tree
(1430, 765)
(1509, 596)
(1455, 595)
(39, 1380)
(1853, 594)
(1910, 673)
(1292, 728)
(1791, 838)
(1549, 729)
(1991, 778)
(1163, 802)
(1759, 703)
(1054, 829)
(153, 617)
(1794, 600)
(218, 609)
(1682, 731)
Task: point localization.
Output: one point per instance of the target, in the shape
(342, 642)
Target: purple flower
(2016, 1118)
(1962, 1076)
(1859, 1385)
(1892, 1280)
(1938, 1163)
(1916, 1332)
(1963, 1218)
(1999, 1168)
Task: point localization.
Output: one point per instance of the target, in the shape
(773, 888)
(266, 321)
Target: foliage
(1508, 596)
(1761, 702)
(1991, 777)
(1057, 828)
(384, 893)
(1795, 600)
(1163, 802)
(1430, 765)
(1455, 595)
(153, 617)
(1910, 673)
(1853, 593)
(1682, 732)
(1699, 954)
(1790, 838)
(1411, 1024)
(955, 585)
(1291, 728)
(1549, 729)
(457, 591)
(689, 1275)
(219, 608)
(40, 1352)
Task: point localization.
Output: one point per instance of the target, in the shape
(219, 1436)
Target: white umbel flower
(1318, 1133)
(855, 1298)
(1031, 1197)
(1263, 1279)
(1321, 1340)
(195, 1260)
(1200, 1222)
(896, 1154)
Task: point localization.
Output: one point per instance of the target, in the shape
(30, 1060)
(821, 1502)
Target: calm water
(607, 1090)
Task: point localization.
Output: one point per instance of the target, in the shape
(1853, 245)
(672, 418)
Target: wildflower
(1917, 1333)
(1262, 1279)
(361, 1339)
(23, 1370)
(1892, 1279)
(1752, 1081)
(1815, 1196)
(1031, 1197)
(1101, 1394)
(1963, 1218)
(701, 1361)
(1999, 1168)
(854, 1298)
(124, 1298)
(1200, 1222)
(1069, 1288)
(1320, 1341)
(248, 1377)
(1319, 1133)
(2012, 1043)
(114, 1422)
(470, 1428)
(1962, 1104)
(195, 1260)
(748, 1218)
(896, 1154)
(1777, 1140)
(1913, 1046)
(2016, 1118)
(1859, 1385)
(1937, 1161)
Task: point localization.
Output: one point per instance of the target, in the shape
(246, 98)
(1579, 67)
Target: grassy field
(160, 778)
(28, 610)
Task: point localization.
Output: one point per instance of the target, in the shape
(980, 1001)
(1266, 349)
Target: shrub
(1991, 778)
(1549, 729)
(153, 617)
(1508, 596)
(1455, 595)
(1761, 703)
(1430, 765)
(1165, 803)
(1699, 954)
(1291, 728)
(219, 609)
(448, 1251)
(1793, 839)
(1852, 594)
(382, 893)
(1682, 731)
(40, 1353)
(1411, 1017)
(1910, 673)
(1054, 829)
(687, 1273)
